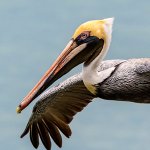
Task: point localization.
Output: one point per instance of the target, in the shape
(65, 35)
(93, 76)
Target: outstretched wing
(55, 110)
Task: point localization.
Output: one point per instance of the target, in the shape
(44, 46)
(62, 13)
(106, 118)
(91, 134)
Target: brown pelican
(109, 80)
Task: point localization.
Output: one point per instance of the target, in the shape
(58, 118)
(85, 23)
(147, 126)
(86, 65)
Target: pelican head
(101, 29)
(90, 40)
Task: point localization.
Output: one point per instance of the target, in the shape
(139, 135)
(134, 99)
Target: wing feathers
(63, 127)
(44, 135)
(25, 131)
(55, 111)
(60, 114)
(34, 137)
(53, 131)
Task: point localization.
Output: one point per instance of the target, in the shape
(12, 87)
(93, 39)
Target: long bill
(71, 56)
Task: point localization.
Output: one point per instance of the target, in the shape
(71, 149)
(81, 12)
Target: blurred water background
(34, 32)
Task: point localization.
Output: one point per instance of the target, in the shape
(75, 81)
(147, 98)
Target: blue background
(34, 32)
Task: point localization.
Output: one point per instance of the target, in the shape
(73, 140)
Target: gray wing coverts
(130, 81)
(55, 110)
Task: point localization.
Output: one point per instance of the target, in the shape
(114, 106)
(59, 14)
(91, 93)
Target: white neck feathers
(90, 73)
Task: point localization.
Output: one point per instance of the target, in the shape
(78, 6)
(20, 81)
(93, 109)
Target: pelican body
(130, 81)
(88, 45)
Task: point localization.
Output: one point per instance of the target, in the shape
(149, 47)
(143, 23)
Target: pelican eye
(82, 37)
